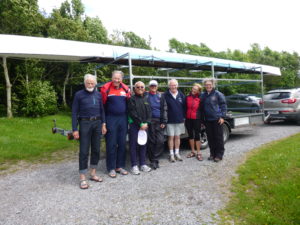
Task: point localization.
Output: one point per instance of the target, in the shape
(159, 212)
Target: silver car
(282, 104)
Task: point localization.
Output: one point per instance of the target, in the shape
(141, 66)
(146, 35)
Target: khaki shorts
(175, 129)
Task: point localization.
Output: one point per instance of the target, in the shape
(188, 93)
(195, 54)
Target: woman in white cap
(139, 118)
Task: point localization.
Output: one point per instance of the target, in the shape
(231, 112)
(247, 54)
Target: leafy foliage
(70, 22)
(39, 99)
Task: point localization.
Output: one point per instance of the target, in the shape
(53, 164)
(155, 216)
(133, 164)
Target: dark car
(243, 103)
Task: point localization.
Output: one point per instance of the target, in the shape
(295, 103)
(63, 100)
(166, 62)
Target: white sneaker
(145, 168)
(172, 158)
(135, 170)
(178, 157)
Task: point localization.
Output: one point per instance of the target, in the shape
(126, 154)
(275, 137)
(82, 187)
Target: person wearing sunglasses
(139, 112)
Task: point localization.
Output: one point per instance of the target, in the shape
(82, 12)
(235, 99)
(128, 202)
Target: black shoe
(210, 158)
(157, 164)
(217, 159)
(154, 165)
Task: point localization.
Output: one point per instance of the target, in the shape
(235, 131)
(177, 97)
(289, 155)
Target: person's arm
(184, 104)
(222, 106)
(75, 110)
(201, 108)
(163, 111)
(103, 94)
(102, 113)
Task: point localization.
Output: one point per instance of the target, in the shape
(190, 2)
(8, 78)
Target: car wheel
(226, 132)
(203, 140)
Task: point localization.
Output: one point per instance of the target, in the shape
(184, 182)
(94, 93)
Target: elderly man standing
(88, 111)
(139, 120)
(175, 111)
(155, 145)
(115, 95)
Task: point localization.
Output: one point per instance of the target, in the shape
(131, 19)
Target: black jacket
(139, 110)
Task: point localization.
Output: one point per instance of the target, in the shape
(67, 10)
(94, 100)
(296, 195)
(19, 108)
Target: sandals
(122, 171)
(191, 154)
(96, 178)
(83, 184)
(199, 157)
(112, 174)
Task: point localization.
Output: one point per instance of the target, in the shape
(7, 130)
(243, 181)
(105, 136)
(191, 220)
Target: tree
(18, 17)
(21, 17)
(96, 31)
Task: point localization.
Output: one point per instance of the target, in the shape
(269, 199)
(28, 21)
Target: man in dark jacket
(88, 111)
(213, 111)
(115, 96)
(175, 110)
(155, 145)
(139, 111)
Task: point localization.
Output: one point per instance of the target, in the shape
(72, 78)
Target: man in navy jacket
(175, 110)
(88, 112)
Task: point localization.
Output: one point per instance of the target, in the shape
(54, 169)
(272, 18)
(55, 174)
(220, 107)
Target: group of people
(146, 116)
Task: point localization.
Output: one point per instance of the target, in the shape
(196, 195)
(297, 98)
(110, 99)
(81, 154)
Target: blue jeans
(90, 134)
(135, 148)
(117, 127)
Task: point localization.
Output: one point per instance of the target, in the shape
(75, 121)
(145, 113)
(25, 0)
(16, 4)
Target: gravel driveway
(188, 192)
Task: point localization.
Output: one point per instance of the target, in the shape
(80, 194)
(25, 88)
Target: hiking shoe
(210, 158)
(178, 157)
(135, 170)
(145, 168)
(172, 158)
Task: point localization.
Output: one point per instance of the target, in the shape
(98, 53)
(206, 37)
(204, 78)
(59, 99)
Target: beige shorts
(175, 129)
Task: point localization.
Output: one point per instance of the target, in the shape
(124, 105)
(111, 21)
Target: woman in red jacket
(192, 121)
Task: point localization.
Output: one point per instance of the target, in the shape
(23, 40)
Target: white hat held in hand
(142, 137)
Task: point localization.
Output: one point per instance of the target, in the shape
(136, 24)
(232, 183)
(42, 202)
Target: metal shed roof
(64, 50)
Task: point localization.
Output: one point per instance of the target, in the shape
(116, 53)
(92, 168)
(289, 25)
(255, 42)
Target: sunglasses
(140, 87)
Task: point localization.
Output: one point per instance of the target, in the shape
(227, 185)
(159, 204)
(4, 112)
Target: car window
(277, 95)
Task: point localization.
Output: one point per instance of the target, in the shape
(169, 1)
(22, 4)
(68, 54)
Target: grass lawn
(267, 190)
(31, 139)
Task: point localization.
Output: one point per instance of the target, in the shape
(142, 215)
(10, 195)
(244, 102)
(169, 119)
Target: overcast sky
(220, 24)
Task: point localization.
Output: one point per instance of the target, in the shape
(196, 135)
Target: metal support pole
(262, 89)
(130, 72)
(212, 69)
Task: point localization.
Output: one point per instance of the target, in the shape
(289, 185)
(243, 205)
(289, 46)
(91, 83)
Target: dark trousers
(90, 134)
(155, 144)
(215, 138)
(116, 141)
(193, 127)
(135, 148)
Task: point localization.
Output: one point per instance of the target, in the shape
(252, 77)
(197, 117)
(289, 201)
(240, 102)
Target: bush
(39, 99)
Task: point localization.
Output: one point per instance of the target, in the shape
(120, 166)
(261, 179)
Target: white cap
(142, 137)
(153, 82)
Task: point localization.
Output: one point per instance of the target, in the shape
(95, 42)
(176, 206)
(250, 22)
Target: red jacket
(105, 89)
(115, 100)
(193, 106)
